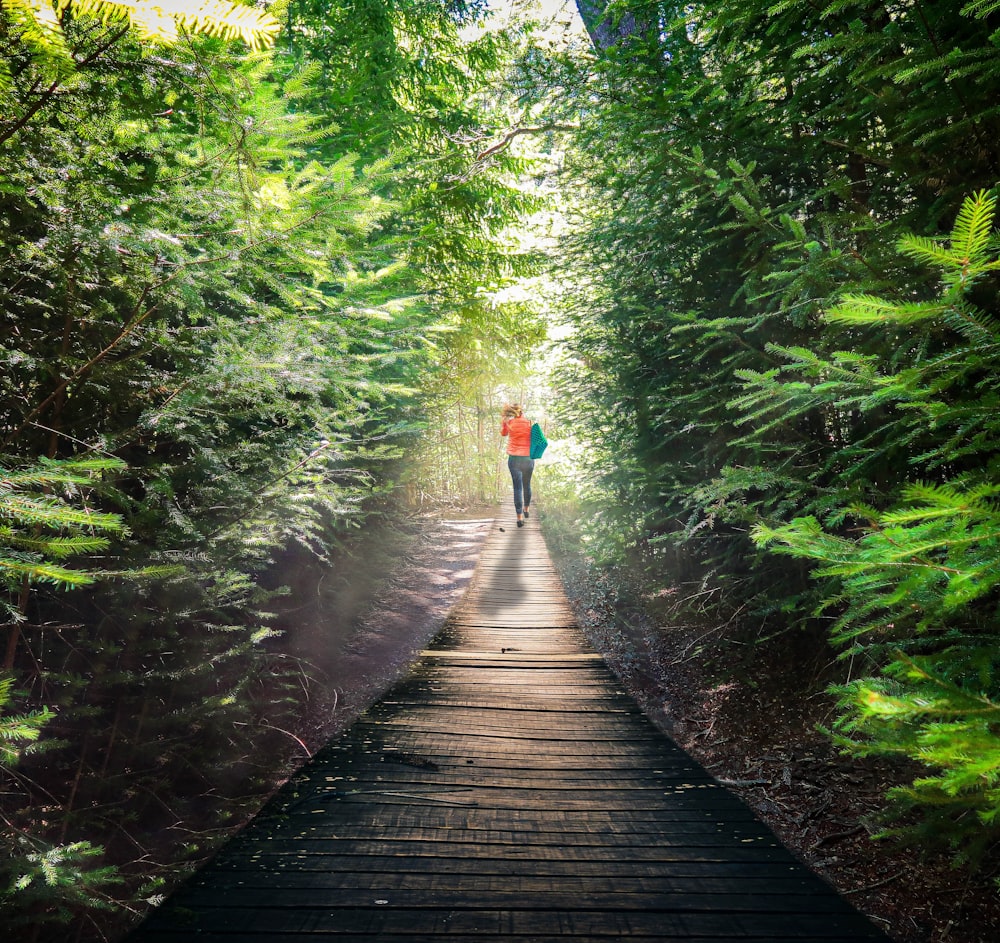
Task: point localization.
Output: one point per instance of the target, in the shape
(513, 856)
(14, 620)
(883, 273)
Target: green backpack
(538, 441)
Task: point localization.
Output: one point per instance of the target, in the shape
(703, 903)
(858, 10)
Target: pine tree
(916, 593)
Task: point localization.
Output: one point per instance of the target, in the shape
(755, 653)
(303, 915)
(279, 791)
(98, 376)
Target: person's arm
(504, 428)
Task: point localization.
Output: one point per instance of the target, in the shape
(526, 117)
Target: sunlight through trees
(268, 273)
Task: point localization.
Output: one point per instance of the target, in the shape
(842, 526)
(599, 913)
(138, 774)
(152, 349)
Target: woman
(517, 429)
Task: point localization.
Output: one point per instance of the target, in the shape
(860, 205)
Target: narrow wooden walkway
(506, 789)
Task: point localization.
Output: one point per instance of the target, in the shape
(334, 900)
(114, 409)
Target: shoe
(526, 514)
(520, 523)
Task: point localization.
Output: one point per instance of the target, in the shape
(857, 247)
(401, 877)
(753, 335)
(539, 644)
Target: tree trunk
(606, 32)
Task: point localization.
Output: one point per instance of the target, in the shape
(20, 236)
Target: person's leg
(518, 481)
(527, 467)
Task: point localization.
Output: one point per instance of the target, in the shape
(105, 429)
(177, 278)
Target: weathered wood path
(506, 789)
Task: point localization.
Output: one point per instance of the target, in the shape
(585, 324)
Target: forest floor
(405, 589)
(752, 723)
(354, 629)
(752, 728)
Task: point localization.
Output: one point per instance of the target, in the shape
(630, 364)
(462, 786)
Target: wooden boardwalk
(506, 789)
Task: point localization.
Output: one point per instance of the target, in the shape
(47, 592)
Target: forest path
(507, 788)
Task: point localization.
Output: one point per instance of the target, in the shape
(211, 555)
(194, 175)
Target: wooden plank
(521, 852)
(445, 840)
(536, 821)
(691, 900)
(466, 775)
(506, 788)
(410, 870)
(490, 758)
(461, 881)
(379, 921)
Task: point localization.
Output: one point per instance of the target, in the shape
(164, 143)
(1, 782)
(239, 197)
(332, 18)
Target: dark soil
(753, 724)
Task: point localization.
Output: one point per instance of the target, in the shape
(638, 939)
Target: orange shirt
(519, 431)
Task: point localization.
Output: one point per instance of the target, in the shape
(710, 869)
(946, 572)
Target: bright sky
(561, 17)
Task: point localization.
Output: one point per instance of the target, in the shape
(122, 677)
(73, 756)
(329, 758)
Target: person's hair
(510, 410)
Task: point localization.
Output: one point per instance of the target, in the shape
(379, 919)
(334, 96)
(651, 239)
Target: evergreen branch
(46, 96)
(56, 514)
(134, 320)
(58, 547)
(138, 317)
(870, 309)
(90, 447)
(864, 156)
(47, 572)
(953, 87)
(971, 234)
(980, 8)
(270, 484)
(985, 704)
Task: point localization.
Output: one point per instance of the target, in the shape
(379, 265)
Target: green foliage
(760, 360)
(41, 26)
(424, 97)
(53, 885)
(18, 729)
(202, 306)
(231, 275)
(41, 522)
(57, 877)
(918, 581)
(915, 569)
(934, 709)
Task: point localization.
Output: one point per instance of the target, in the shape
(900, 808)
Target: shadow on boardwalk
(506, 789)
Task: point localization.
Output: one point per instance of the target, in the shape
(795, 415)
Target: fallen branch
(869, 887)
(287, 733)
(836, 836)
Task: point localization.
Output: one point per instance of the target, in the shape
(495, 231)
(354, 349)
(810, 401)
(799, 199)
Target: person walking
(516, 427)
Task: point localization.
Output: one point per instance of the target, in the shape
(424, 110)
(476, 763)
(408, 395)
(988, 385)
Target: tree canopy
(267, 274)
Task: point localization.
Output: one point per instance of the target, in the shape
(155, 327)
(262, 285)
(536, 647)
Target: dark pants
(521, 468)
